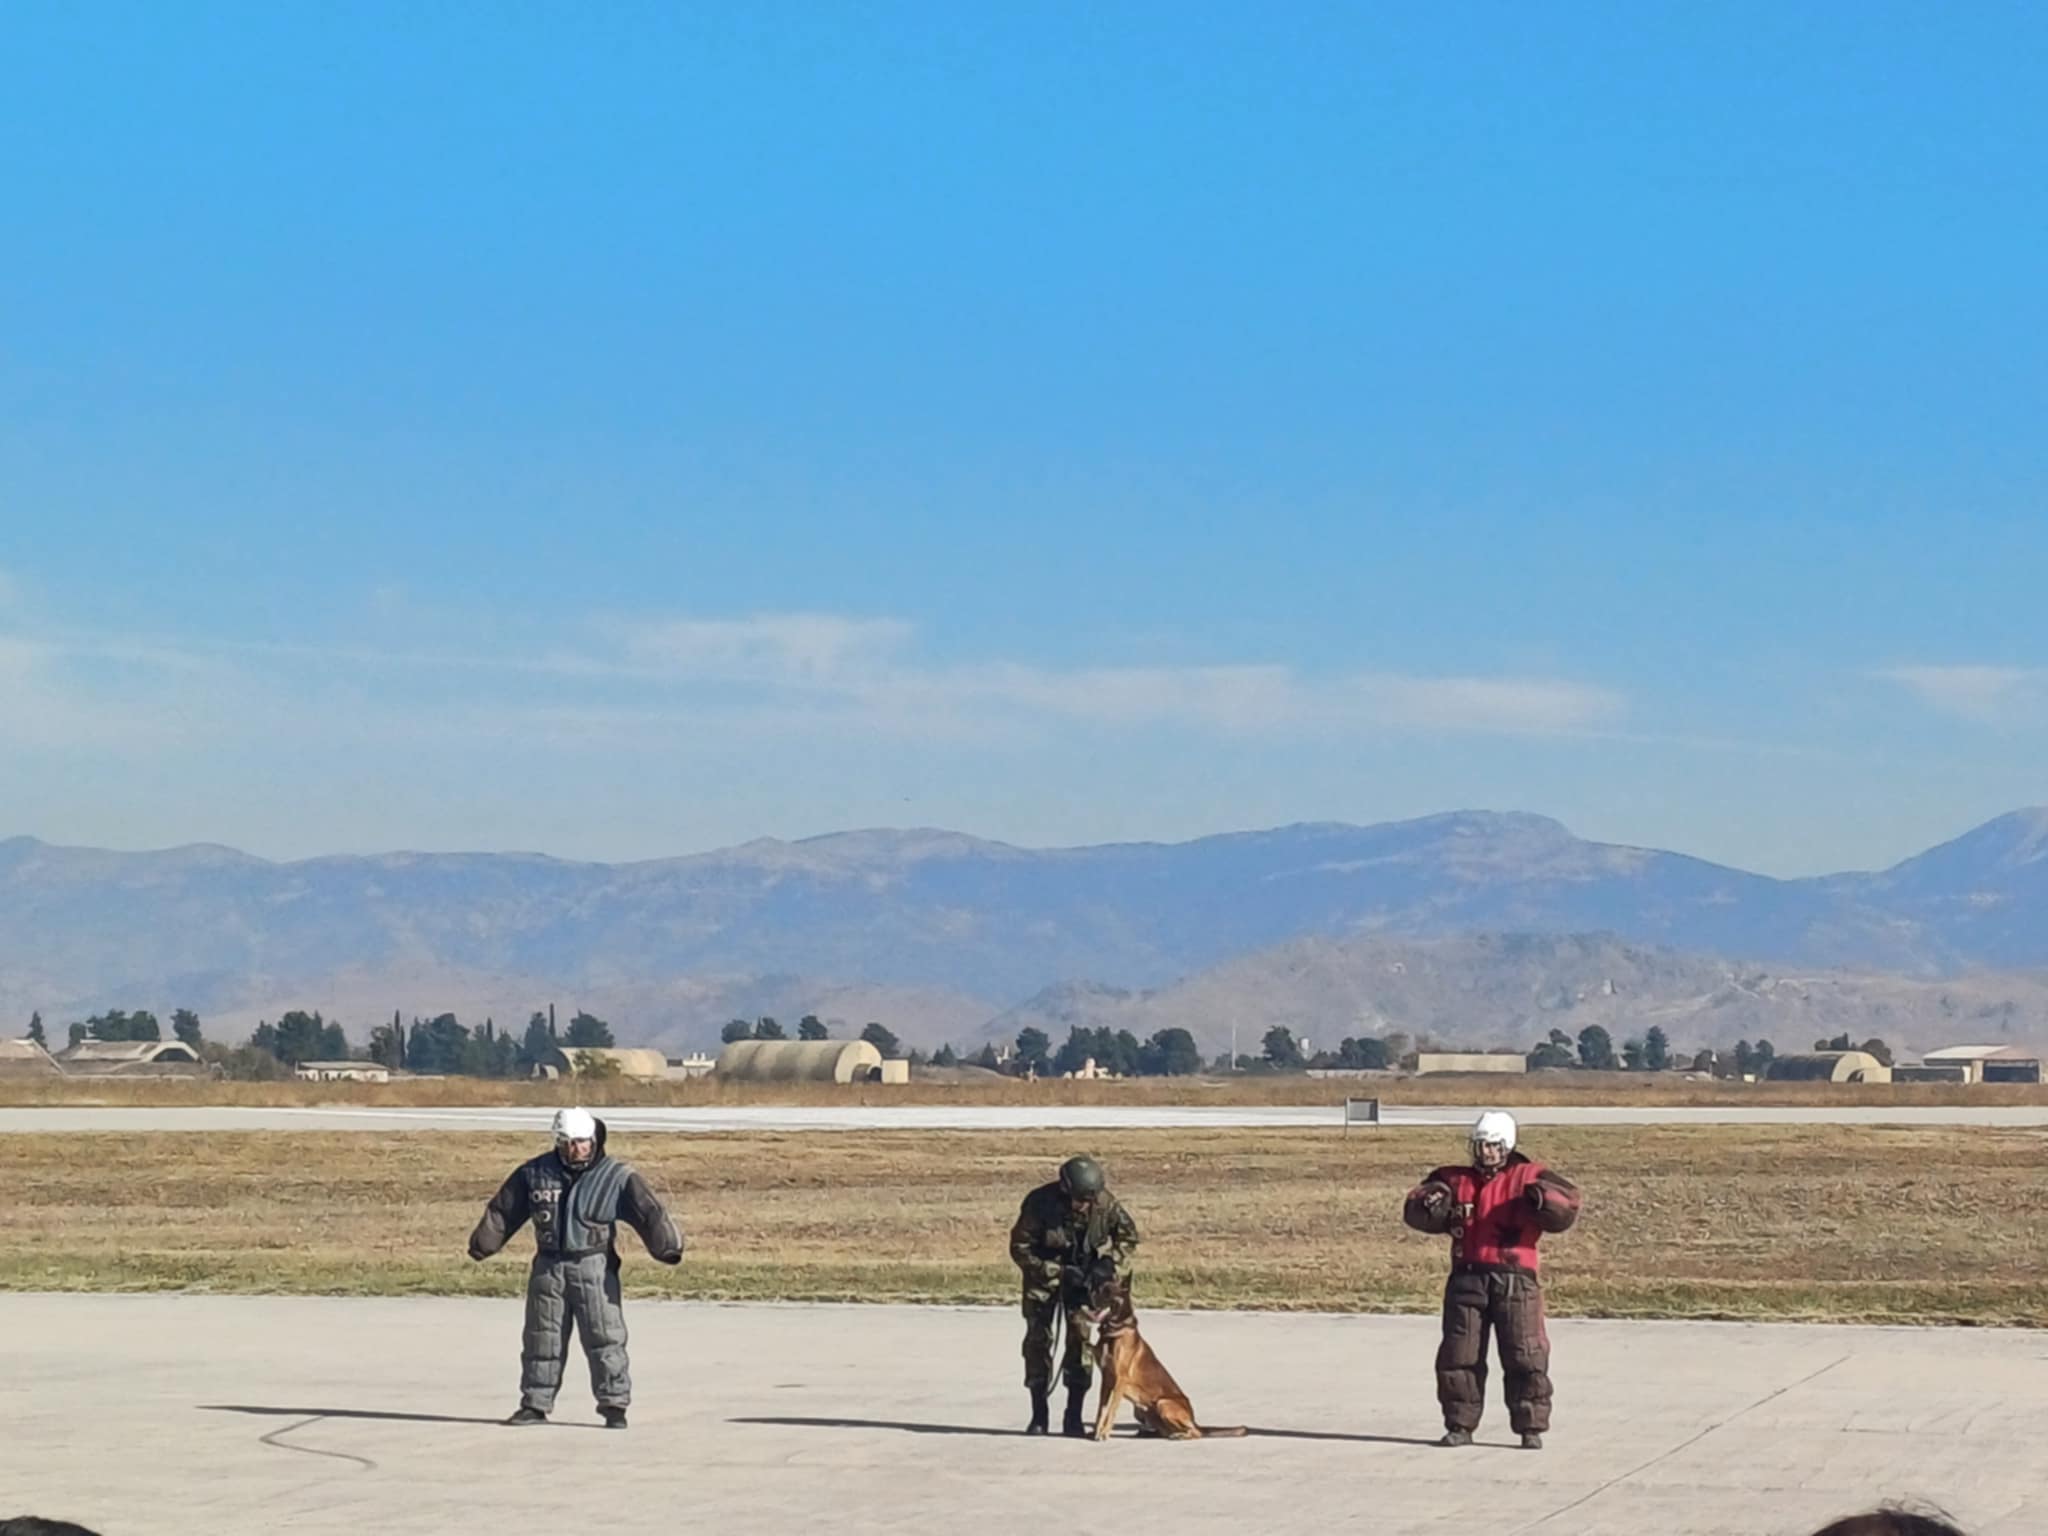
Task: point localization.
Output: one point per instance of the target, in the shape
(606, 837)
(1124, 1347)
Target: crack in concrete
(1692, 1440)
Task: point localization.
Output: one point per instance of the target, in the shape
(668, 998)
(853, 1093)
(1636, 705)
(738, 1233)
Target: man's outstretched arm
(504, 1215)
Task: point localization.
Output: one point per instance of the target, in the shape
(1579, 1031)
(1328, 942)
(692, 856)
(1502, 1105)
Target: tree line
(1173, 1052)
(1168, 1053)
(1593, 1050)
(271, 1050)
(445, 1046)
(440, 1045)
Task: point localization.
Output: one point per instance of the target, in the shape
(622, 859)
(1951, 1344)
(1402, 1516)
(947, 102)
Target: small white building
(1471, 1061)
(342, 1072)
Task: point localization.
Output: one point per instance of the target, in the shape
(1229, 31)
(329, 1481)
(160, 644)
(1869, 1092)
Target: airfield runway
(969, 1117)
(195, 1416)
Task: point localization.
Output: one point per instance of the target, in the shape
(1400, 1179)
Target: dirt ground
(1844, 1223)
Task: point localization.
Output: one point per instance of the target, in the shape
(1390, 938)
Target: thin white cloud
(1265, 697)
(1985, 693)
(1515, 704)
(1225, 698)
(774, 673)
(864, 661)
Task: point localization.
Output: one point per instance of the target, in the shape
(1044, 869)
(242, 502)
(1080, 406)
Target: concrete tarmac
(971, 1117)
(197, 1415)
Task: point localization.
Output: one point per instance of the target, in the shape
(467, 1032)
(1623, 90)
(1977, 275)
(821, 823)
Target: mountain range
(1462, 923)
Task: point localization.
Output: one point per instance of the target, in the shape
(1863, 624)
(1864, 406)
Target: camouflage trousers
(1041, 1316)
(1510, 1307)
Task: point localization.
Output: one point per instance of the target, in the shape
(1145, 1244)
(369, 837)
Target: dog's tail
(1222, 1432)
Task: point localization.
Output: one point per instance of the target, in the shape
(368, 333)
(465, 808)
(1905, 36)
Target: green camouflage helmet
(1082, 1177)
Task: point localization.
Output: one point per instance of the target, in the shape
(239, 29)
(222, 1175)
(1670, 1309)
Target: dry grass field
(1843, 1223)
(1541, 1088)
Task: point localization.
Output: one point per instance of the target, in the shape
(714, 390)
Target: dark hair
(1891, 1522)
(31, 1525)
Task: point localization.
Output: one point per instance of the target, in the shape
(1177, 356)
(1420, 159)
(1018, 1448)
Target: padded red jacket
(1494, 1222)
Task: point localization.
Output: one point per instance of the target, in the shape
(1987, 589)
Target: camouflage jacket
(1050, 1236)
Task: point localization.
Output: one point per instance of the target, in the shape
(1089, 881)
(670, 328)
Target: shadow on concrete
(908, 1429)
(1330, 1434)
(1125, 1432)
(387, 1415)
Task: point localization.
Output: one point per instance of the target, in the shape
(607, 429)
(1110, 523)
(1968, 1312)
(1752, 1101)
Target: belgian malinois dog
(1129, 1368)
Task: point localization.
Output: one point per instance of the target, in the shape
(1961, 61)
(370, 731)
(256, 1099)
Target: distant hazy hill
(1512, 990)
(937, 933)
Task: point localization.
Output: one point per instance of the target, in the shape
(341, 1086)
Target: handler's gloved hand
(1058, 1237)
(1534, 1195)
(1437, 1197)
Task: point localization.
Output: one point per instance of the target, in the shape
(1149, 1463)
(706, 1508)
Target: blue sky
(619, 435)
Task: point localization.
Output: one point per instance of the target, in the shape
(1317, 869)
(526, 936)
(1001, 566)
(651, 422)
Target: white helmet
(574, 1125)
(1495, 1128)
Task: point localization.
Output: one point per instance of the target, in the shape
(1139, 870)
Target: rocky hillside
(939, 933)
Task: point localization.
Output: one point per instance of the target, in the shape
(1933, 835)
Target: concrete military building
(808, 1061)
(131, 1058)
(638, 1063)
(1977, 1064)
(24, 1058)
(1828, 1067)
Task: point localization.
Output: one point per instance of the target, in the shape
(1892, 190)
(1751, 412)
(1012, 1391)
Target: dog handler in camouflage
(1062, 1229)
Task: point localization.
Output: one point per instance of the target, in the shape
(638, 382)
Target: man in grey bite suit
(575, 1196)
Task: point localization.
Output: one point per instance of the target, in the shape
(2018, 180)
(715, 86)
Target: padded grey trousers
(583, 1292)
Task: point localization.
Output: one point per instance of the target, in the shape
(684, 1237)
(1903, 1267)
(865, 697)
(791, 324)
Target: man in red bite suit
(1494, 1210)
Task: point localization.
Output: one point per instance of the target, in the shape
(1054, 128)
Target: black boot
(1456, 1437)
(614, 1418)
(525, 1415)
(1071, 1425)
(1041, 1411)
(1531, 1440)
